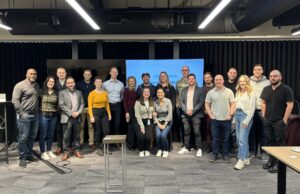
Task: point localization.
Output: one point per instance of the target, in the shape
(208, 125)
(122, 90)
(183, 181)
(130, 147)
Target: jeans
(162, 137)
(257, 135)
(101, 125)
(242, 134)
(69, 128)
(47, 129)
(115, 109)
(85, 116)
(28, 125)
(220, 132)
(195, 123)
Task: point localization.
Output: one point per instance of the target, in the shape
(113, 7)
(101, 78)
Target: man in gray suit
(71, 104)
(192, 99)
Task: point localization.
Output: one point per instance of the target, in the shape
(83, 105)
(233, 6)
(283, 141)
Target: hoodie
(258, 86)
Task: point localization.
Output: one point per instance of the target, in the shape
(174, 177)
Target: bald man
(219, 105)
(25, 100)
(276, 107)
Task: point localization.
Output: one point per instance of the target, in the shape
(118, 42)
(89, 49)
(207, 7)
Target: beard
(274, 83)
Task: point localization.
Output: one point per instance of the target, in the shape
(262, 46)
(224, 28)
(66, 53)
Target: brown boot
(78, 154)
(65, 156)
(58, 151)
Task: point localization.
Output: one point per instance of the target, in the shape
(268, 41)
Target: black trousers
(101, 125)
(59, 133)
(115, 109)
(275, 133)
(131, 133)
(257, 135)
(190, 123)
(143, 140)
(69, 128)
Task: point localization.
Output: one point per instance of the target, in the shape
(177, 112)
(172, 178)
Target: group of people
(243, 112)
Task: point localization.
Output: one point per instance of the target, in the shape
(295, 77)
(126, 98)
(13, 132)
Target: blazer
(198, 101)
(65, 104)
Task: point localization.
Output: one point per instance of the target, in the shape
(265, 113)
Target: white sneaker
(51, 155)
(142, 154)
(158, 154)
(165, 154)
(147, 153)
(246, 161)
(183, 151)
(45, 156)
(239, 165)
(199, 153)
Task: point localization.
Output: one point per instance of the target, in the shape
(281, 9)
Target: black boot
(269, 164)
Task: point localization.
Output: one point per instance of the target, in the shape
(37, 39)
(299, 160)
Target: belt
(49, 114)
(114, 103)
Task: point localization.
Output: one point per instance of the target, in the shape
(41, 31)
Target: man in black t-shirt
(276, 107)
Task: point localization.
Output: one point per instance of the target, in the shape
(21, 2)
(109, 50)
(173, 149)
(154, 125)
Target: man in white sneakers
(191, 102)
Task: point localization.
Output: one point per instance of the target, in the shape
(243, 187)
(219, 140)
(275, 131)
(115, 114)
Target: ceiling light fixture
(83, 14)
(295, 31)
(214, 13)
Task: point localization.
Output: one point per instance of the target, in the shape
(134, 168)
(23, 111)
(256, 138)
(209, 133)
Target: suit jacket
(198, 101)
(65, 104)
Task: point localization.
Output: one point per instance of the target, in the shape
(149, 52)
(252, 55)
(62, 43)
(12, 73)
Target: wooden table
(286, 157)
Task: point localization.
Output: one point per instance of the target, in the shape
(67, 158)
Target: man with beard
(206, 129)
(276, 107)
(146, 84)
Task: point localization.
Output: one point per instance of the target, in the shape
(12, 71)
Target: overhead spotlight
(214, 13)
(295, 31)
(83, 14)
(4, 26)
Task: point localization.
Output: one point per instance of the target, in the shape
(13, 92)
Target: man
(257, 135)
(146, 84)
(115, 89)
(86, 86)
(231, 82)
(180, 84)
(276, 107)
(25, 99)
(71, 104)
(60, 85)
(192, 100)
(219, 105)
(206, 132)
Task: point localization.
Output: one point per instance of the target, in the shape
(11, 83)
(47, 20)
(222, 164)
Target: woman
(48, 117)
(245, 107)
(99, 111)
(144, 108)
(163, 120)
(170, 93)
(129, 98)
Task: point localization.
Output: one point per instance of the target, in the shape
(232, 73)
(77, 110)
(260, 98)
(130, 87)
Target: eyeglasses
(185, 70)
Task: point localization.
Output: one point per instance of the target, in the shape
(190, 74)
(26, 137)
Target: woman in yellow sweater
(99, 111)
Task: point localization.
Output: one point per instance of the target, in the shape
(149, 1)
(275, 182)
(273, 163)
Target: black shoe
(207, 151)
(267, 165)
(23, 163)
(273, 169)
(226, 159)
(32, 159)
(213, 158)
(99, 152)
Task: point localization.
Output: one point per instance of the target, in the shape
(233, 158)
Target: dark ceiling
(51, 17)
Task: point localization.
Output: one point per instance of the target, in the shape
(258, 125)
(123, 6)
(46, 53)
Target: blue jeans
(220, 132)
(162, 137)
(28, 126)
(47, 128)
(242, 134)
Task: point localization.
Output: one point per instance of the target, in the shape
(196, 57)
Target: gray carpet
(176, 174)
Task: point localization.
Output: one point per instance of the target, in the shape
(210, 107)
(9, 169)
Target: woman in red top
(129, 98)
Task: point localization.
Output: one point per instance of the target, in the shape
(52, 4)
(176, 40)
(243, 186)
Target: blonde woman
(245, 107)
(129, 98)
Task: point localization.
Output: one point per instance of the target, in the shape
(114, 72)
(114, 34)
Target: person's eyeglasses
(185, 70)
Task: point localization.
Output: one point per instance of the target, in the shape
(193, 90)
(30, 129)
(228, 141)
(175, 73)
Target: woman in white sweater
(245, 107)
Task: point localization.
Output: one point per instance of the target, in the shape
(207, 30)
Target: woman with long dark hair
(48, 117)
(144, 109)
